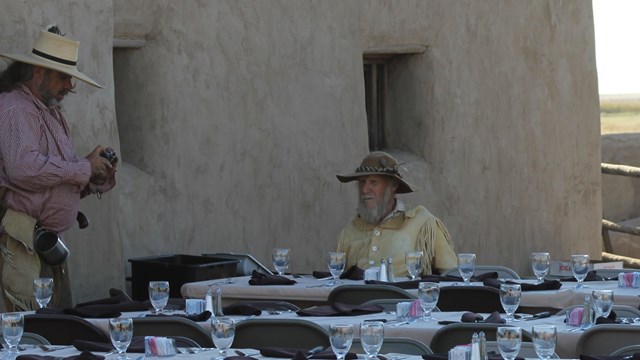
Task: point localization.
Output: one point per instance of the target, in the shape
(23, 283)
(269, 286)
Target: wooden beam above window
(389, 51)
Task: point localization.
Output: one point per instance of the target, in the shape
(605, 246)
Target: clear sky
(617, 29)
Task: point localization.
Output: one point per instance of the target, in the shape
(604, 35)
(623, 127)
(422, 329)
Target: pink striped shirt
(38, 163)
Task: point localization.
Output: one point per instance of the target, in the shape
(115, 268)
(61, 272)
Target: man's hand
(101, 168)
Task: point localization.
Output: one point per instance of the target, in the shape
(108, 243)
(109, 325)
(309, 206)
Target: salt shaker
(208, 301)
(390, 276)
(383, 270)
(217, 303)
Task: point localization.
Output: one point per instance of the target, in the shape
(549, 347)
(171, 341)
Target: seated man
(383, 228)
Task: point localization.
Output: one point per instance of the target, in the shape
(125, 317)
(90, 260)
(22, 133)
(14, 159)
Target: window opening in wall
(375, 73)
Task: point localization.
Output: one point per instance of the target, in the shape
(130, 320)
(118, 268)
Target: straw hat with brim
(379, 163)
(54, 52)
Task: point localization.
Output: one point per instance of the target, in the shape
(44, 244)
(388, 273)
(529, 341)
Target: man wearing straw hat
(383, 228)
(41, 178)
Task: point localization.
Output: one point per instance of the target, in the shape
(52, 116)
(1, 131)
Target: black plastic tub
(177, 269)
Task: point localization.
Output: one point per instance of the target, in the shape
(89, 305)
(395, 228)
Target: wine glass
(466, 266)
(603, 302)
(580, 268)
(540, 264)
(544, 340)
(341, 337)
(12, 329)
(428, 293)
(159, 294)
(121, 333)
(509, 339)
(336, 265)
(223, 330)
(280, 258)
(413, 260)
(371, 337)
(43, 290)
(510, 295)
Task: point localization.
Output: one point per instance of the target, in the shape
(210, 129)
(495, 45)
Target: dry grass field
(619, 114)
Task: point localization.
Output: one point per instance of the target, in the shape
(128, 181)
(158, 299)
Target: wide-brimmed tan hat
(379, 163)
(54, 52)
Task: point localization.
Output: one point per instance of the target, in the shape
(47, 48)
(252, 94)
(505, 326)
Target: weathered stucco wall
(235, 116)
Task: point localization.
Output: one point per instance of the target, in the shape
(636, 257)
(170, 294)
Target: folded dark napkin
(545, 285)
(266, 279)
(491, 355)
(591, 276)
(340, 309)
(241, 308)
(136, 346)
(353, 273)
(634, 356)
(291, 353)
(611, 319)
(85, 355)
(493, 318)
(203, 316)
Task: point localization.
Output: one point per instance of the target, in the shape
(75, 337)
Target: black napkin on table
(241, 308)
(267, 279)
(291, 353)
(545, 285)
(203, 316)
(85, 355)
(635, 356)
(611, 319)
(353, 273)
(340, 309)
(493, 318)
(136, 346)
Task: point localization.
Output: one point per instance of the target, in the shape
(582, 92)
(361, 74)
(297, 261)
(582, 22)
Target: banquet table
(309, 291)
(420, 330)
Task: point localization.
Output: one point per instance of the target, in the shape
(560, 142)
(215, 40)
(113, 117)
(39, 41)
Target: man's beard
(377, 213)
(50, 100)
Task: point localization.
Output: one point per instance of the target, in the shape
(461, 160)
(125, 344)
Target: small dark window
(375, 76)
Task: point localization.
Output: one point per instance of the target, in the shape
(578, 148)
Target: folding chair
(390, 304)
(527, 350)
(399, 345)
(358, 294)
(61, 329)
(172, 326)
(605, 339)
(479, 299)
(293, 333)
(451, 335)
(627, 350)
(622, 311)
(503, 271)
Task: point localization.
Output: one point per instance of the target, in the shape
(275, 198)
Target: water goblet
(159, 294)
(540, 264)
(413, 260)
(223, 330)
(121, 333)
(340, 337)
(371, 337)
(602, 302)
(12, 329)
(336, 263)
(428, 293)
(510, 295)
(43, 290)
(280, 258)
(509, 339)
(466, 266)
(580, 268)
(544, 340)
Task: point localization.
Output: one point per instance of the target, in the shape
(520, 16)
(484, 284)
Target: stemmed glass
(43, 290)
(12, 329)
(544, 340)
(223, 330)
(159, 294)
(428, 293)
(121, 333)
(336, 265)
(540, 264)
(413, 260)
(371, 337)
(603, 302)
(509, 339)
(580, 268)
(510, 295)
(280, 258)
(341, 337)
(466, 266)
